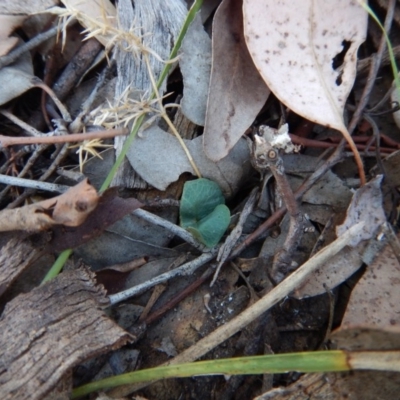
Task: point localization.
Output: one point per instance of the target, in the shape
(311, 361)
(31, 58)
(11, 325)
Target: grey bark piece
(159, 23)
(195, 65)
(47, 331)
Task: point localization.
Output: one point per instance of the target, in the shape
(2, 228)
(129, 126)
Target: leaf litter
(175, 315)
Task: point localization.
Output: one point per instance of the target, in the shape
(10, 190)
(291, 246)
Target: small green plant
(203, 211)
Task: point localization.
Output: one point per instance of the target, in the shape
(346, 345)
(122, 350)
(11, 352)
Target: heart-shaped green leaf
(203, 212)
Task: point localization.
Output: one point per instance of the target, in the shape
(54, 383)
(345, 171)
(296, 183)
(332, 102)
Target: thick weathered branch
(47, 331)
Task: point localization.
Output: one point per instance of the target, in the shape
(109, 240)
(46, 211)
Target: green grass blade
(317, 361)
(58, 265)
(388, 43)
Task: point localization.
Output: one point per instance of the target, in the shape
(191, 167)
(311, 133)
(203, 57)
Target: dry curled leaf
(70, 208)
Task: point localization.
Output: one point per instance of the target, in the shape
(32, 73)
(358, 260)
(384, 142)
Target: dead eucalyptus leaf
(195, 65)
(365, 206)
(375, 301)
(307, 53)
(70, 208)
(237, 92)
(16, 78)
(159, 159)
(12, 15)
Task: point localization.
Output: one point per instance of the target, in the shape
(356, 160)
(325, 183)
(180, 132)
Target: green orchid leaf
(211, 228)
(203, 212)
(199, 198)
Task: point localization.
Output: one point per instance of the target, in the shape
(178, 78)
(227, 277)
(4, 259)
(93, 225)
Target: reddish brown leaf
(110, 209)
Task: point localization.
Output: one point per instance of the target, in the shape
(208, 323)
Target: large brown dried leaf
(70, 208)
(46, 332)
(237, 92)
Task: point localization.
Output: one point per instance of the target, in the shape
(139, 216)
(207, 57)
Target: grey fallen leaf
(159, 159)
(16, 78)
(237, 91)
(366, 206)
(329, 190)
(375, 300)
(195, 65)
(331, 274)
(13, 14)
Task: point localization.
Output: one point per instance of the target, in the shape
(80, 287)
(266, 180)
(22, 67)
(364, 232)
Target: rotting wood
(46, 332)
(17, 254)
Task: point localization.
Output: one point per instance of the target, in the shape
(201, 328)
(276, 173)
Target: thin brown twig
(374, 68)
(74, 137)
(34, 42)
(326, 145)
(179, 297)
(29, 130)
(278, 214)
(60, 156)
(26, 168)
